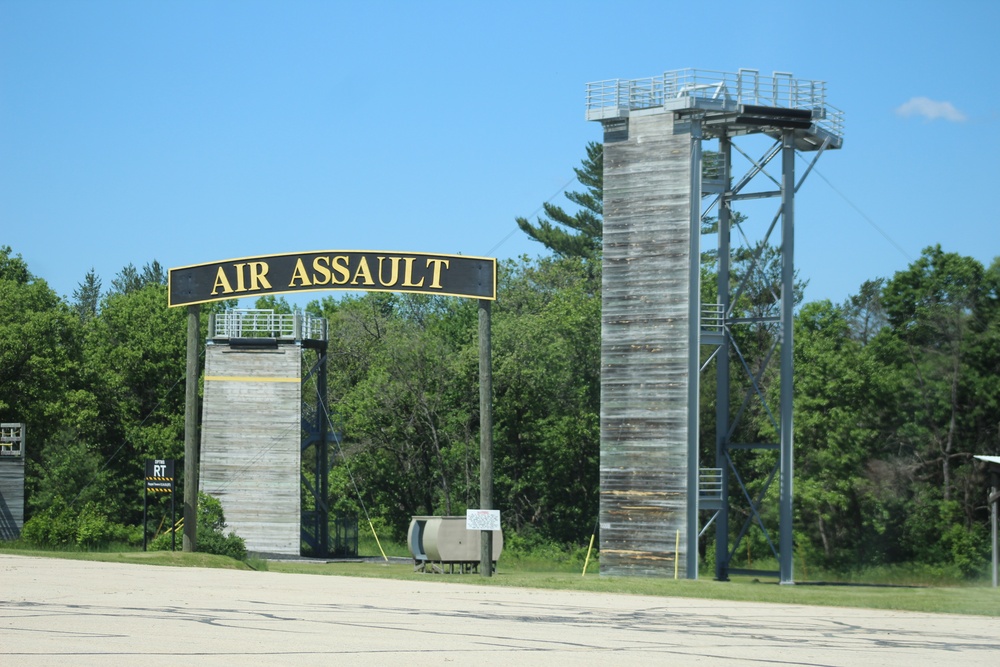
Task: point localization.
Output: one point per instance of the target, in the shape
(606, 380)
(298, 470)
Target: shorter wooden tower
(251, 435)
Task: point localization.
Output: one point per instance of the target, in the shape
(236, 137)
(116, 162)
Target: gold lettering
(258, 276)
(221, 281)
(340, 266)
(299, 274)
(321, 271)
(240, 285)
(408, 274)
(436, 279)
(395, 272)
(363, 270)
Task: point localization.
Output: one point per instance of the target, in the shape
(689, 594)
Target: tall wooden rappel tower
(664, 188)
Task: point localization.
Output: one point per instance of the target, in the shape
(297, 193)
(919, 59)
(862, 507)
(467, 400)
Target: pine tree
(87, 296)
(129, 279)
(586, 225)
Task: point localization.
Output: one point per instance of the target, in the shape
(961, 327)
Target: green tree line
(896, 390)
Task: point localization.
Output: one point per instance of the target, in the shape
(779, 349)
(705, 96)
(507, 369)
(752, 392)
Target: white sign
(482, 519)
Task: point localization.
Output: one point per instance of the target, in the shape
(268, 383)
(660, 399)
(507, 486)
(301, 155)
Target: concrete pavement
(55, 611)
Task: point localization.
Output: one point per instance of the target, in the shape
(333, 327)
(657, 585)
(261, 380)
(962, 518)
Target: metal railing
(711, 88)
(11, 440)
(266, 324)
(710, 483)
(713, 317)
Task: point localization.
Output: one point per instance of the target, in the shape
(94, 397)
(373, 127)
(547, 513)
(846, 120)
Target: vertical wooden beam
(191, 441)
(485, 435)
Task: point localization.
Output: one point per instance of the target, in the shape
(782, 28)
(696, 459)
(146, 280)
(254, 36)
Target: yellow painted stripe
(246, 378)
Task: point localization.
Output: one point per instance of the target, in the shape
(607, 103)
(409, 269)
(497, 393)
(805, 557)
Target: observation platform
(263, 328)
(730, 103)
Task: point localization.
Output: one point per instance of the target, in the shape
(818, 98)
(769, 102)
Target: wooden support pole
(192, 442)
(485, 435)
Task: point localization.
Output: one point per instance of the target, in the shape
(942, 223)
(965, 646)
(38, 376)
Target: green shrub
(231, 545)
(53, 527)
(166, 541)
(969, 550)
(212, 538)
(92, 528)
(62, 526)
(210, 515)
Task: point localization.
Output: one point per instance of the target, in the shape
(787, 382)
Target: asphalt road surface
(66, 612)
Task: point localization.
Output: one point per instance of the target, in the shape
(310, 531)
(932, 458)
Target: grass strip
(969, 600)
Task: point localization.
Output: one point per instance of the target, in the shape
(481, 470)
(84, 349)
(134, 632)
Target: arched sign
(351, 270)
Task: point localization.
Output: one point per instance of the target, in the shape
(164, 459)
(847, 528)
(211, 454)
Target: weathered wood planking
(250, 443)
(645, 347)
(11, 497)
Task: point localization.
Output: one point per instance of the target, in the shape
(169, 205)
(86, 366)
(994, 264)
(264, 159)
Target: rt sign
(160, 475)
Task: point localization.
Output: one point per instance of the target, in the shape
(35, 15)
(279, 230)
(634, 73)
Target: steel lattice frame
(316, 527)
(775, 320)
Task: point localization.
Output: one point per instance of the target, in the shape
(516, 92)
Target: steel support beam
(722, 375)
(780, 323)
(694, 352)
(785, 544)
(322, 452)
(315, 434)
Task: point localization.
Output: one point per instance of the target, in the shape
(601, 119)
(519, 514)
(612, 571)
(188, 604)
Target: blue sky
(190, 132)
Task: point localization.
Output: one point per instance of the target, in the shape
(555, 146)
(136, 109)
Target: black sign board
(350, 270)
(160, 475)
(159, 479)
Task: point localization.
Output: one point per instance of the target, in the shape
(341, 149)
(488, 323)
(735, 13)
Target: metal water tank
(444, 540)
